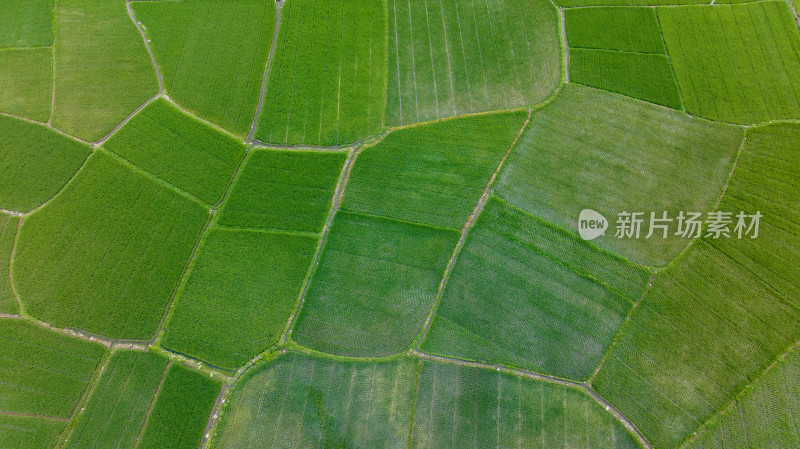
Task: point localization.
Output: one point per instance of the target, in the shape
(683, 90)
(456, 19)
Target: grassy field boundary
(138, 25)
(87, 394)
(265, 78)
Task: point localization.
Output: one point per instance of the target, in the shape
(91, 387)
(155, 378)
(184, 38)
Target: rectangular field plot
(532, 296)
(98, 82)
(179, 149)
(736, 63)
(765, 181)
(766, 416)
(432, 174)
(212, 54)
(622, 29)
(26, 78)
(120, 402)
(327, 82)
(300, 401)
(26, 23)
(374, 287)
(288, 190)
(460, 407)
(453, 57)
(8, 229)
(706, 330)
(661, 160)
(181, 410)
(43, 373)
(22, 432)
(36, 162)
(107, 253)
(239, 295)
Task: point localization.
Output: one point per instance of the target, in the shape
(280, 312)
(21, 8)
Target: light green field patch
(532, 296)
(460, 407)
(181, 410)
(22, 432)
(26, 79)
(328, 79)
(706, 330)
(107, 253)
(766, 416)
(289, 190)
(8, 229)
(102, 69)
(452, 57)
(26, 23)
(736, 63)
(374, 287)
(432, 174)
(239, 295)
(621, 29)
(120, 402)
(766, 181)
(35, 162)
(212, 54)
(635, 157)
(300, 401)
(183, 151)
(592, 3)
(43, 373)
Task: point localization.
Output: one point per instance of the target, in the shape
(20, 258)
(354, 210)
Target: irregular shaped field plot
(106, 254)
(22, 432)
(300, 401)
(8, 229)
(26, 77)
(179, 149)
(212, 54)
(454, 57)
(433, 174)
(238, 296)
(26, 23)
(374, 287)
(635, 157)
(36, 163)
(529, 295)
(327, 82)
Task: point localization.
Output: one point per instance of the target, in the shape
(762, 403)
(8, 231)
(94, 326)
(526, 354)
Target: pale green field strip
(327, 82)
(624, 29)
(290, 190)
(98, 81)
(374, 287)
(299, 401)
(119, 403)
(26, 23)
(705, 330)
(8, 229)
(637, 157)
(739, 63)
(238, 295)
(43, 376)
(453, 57)
(26, 78)
(431, 174)
(179, 149)
(36, 163)
(180, 411)
(766, 181)
(528, 295)
(212, 54)
(768, 415)
(593, 3)
(459, 406)
(106, 254)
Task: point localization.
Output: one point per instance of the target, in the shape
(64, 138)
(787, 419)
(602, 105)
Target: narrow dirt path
(270, 58)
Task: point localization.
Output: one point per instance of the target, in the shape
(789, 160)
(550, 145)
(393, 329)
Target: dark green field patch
(374, 287)
(8, 229)
(212, 54)
(26, 23)
(239, 295)
(120, 402)
(736, 63)
(623, 29)
(289, 190)
(460, 407)
(194, 157)
(525, 294)
(21, 432)
(26, 77)
(300, 401)
(432, 174)
(107, 253)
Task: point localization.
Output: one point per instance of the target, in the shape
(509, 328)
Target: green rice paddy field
(355, 224)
